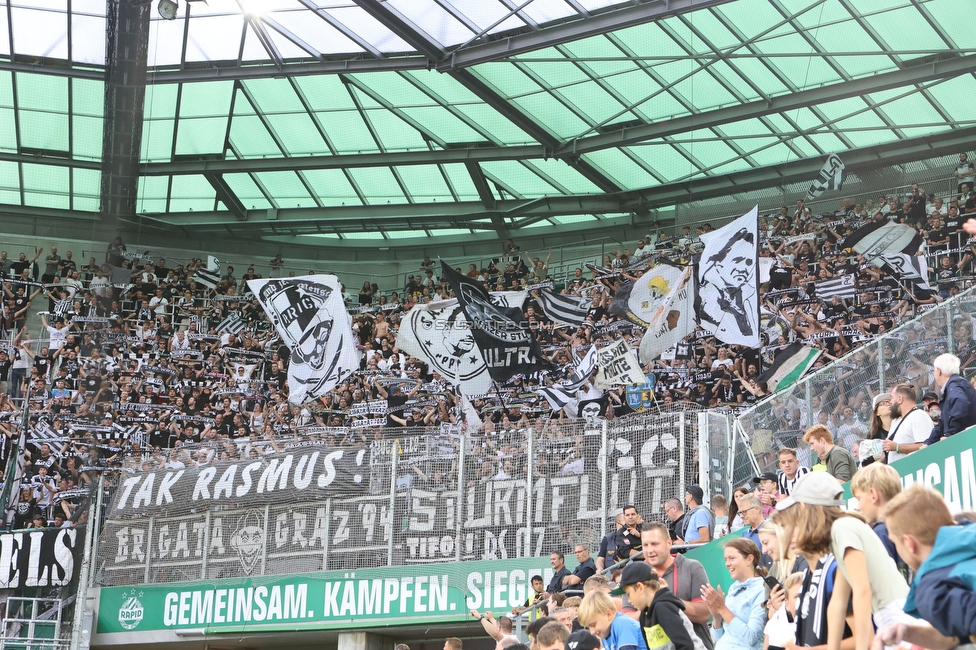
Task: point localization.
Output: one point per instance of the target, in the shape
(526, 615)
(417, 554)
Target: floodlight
(167, 9)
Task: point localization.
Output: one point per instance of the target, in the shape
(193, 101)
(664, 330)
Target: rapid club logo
(131, 611)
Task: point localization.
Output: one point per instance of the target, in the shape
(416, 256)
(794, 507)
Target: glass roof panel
(711, 28)
(947, 12)
(214, 38)
(153, 191)
(4, 34)
(443, 125)
(8, 132)
(43, 114)
(287, 188)
(347, 132)
(203, 135)
(378, 184)
(244, 187)
(500, 129)
(298, 134)
(9, 183)
(890, 26)
(210, 99)
(461, 182)
(325, 93)
(332, 187)
(165, 41)
(955, 96)
(666, 160)
(425, 183)
(86, 185)
(367, 27)
(618, 166)
(566, 176)
(516, 179)
(438, 22)
(38, 31)
(559, 119)
(86, 137)
(191, 193)
(157, 140)
(394, 133)
(87, 50)
(46, 186)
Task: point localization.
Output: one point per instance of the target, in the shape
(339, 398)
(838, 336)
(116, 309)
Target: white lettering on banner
(956, 476)
(240, 605)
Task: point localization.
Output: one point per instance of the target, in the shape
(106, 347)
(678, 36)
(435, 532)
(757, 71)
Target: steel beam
(127, 49)
(780, 104)
(451, 214)
(595, 25)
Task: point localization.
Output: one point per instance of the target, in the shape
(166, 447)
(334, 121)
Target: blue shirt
(625, 634)
(699, 519)
(745, 632)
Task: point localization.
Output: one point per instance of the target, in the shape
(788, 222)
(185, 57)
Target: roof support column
(127, 46)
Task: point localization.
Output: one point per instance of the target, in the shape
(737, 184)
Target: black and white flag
(501, 333)
(210, 276)
(842, 287)
(907, 267)
(439, 334)
(309, 315)
(831, 177)
(618, 366)
(880, 238)
(233, 324)
(727, 278)
(564, 309)
(563, 394)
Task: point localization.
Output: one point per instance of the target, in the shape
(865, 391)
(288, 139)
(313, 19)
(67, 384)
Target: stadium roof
(387, 120)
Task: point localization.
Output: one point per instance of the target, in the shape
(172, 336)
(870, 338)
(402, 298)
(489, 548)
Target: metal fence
(409, 496)
(840, 394)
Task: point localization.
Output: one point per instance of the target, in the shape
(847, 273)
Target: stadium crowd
(136, 358)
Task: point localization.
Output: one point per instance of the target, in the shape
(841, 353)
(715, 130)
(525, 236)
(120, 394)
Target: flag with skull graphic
(311, 318)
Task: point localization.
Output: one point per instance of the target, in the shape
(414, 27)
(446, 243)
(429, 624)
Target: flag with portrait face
(309, 314)
(727, 279)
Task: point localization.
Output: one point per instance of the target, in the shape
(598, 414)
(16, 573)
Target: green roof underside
(393, 119)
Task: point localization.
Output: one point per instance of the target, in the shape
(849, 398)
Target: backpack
(690, 515)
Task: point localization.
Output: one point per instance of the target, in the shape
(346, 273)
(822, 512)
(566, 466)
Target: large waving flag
(790, 364)
(727, 300)
(501, 333)
(210, 276)
(440, 335)
(831, 177)
(673, 317)
(880, 238)
(564, 309)
(309, 314)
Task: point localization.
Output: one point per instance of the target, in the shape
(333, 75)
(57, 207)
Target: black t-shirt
(627, 542)
(5, 370)
(946, 276)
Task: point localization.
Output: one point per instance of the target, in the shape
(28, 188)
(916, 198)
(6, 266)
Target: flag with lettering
(309, 314)
(618, 366)
(831, 177)
(501, 333)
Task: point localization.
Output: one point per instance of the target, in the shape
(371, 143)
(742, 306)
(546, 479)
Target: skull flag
(311, 318)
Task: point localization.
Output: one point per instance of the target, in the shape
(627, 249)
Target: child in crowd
(662, 616)
(780, 630)
(873, 487)
(943, 557)
(767, 491)
(599, 614)
(868, 578)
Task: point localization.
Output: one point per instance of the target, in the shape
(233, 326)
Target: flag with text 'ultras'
(309, 314)
(501, 333)
(727, 291)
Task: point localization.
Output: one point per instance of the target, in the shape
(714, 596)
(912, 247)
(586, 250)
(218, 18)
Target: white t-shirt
(917, 427)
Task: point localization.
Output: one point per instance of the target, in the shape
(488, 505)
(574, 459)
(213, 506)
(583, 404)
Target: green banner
(947, 466)
(368, 597)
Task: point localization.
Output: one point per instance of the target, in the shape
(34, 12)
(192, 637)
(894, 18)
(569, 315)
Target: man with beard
(910, 426)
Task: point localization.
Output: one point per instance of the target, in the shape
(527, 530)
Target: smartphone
(771, 582)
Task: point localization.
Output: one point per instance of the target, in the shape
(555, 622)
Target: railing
(903, 355)
(396, 497)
